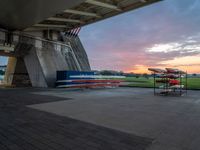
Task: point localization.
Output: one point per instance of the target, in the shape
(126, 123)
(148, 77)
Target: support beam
(102, 4)
(33, 29)
(77, 12)
(39, 29)
(64, 20)
(50, 25)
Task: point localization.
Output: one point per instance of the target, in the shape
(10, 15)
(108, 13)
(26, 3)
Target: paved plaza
(98, 119)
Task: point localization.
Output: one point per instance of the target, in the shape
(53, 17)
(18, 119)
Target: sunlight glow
(187, 61)
(139, 69)
(191, 64)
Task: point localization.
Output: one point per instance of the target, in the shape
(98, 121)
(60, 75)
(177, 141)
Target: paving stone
(23, 128)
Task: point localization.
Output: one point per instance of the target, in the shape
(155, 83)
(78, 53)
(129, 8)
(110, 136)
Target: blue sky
(160, 35)
(3, 60)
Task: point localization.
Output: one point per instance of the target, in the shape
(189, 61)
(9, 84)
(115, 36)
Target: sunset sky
(165, 34)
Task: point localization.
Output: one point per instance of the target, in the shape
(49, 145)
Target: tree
(145, 75)
(194, 74)
(137, 75)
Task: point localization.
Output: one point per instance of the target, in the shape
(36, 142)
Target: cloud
(190, 46)
(165, 48)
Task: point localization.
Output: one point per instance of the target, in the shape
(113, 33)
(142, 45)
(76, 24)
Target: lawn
(193, 83)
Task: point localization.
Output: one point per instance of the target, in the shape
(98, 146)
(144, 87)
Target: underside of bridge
(41, 36)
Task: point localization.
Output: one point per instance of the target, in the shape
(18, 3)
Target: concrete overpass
(63, 14)
(41, 36)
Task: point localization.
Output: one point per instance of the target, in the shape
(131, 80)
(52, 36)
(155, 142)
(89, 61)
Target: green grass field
(193, 83)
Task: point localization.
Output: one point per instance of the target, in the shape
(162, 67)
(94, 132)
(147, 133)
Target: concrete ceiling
(20, 14)
(61, 14)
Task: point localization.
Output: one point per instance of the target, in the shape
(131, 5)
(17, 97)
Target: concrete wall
(41, 59)
(35, 69)
(51, 60)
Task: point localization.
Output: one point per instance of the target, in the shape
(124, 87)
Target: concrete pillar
(21, 75)
(34, 69)
(10, 70)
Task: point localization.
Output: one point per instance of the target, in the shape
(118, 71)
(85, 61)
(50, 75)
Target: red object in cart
(174, 82)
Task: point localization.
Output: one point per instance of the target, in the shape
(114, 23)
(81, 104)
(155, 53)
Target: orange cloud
(144, 69)
(191, 64)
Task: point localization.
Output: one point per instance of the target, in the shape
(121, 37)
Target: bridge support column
(12, 61)
(35, 61)
(16, 73)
